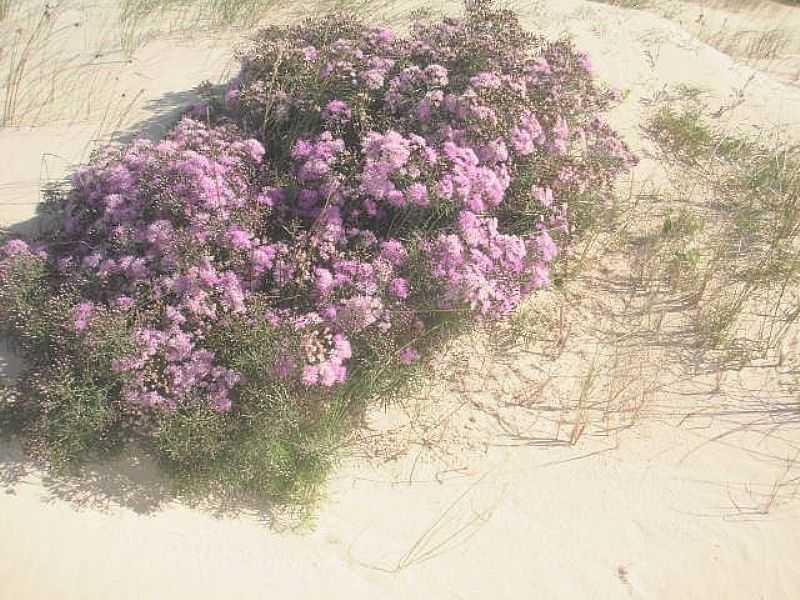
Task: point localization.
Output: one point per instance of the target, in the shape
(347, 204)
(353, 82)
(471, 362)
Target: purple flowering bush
(301, 243)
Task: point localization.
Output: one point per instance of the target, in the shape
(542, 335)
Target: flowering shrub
(350, 188)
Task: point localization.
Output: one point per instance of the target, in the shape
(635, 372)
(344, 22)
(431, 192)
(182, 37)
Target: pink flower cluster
(366, 183)
(488, 270)
(392, 160)
(142, 226)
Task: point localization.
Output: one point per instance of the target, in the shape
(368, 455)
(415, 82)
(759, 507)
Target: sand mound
(590, 463)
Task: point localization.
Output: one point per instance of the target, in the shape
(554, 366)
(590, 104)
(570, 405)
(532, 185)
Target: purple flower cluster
(367, 182)
(314, 158)
(140, 228)
(190, 372)
(479, 188)
(392, 160)
(486, 269)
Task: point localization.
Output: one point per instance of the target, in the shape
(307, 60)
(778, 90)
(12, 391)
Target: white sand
(486, 498)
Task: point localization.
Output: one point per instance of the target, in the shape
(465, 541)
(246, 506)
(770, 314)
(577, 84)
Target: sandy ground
(584, 466)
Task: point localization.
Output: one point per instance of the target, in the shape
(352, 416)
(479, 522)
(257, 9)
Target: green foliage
(682, 133)
(738, 258)
(682, 224)
(69, 412)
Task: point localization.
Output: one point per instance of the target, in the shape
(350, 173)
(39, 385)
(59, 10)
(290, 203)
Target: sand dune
(473, 489)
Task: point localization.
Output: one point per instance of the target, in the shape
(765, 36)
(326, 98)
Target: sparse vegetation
(5, 8)
(750, 250)
(44, 75)
(626, 3)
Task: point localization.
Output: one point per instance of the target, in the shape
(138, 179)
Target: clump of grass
(748, 251)
(44, 75)
(5, 9)
(626, 3)
(750, 45)
(138, 18)
(682, 134)
(18, 57)
(715, 321)
(682, 224)
(679, 237)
